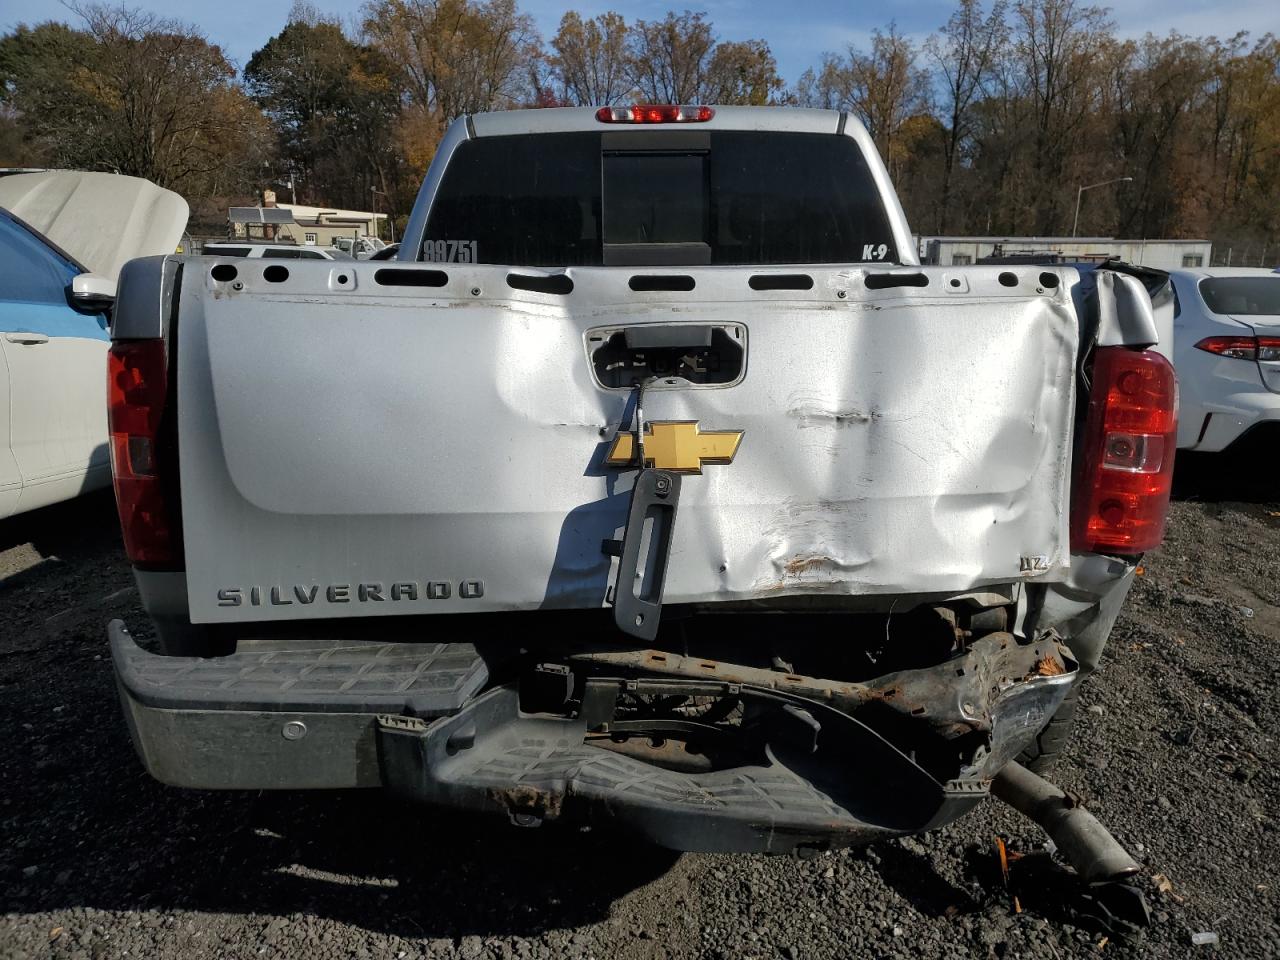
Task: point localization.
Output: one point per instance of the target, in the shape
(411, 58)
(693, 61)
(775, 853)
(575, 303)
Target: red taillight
(1242, 348)
(1125, 472)
(654, 113)
(137, 385)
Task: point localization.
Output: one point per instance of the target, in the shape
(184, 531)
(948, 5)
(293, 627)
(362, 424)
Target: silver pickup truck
(654, 481)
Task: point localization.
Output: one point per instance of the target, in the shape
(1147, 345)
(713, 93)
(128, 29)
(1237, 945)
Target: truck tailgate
(356, 448)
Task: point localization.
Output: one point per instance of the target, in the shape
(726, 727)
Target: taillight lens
(137, 386)
(1125, 472)
(1242, 348)
(654, 113)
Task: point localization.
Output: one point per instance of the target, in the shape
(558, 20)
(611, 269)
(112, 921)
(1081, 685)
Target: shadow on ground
(102, 834)
(1245, 473)
(86, 827)
(75, 531)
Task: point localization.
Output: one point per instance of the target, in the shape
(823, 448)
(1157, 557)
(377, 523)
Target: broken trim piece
(998, 688)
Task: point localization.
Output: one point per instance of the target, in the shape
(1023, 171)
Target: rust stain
(523, 798)
(1048, 667)
(798, 565)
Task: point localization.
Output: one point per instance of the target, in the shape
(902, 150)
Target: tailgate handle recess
(700, 354)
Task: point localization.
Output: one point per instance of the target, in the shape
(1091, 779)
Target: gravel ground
(1176, 752)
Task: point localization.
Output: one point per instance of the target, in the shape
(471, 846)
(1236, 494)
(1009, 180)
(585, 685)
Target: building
(1161, 254)
(320, 226)
(265, 224)
(293, 222)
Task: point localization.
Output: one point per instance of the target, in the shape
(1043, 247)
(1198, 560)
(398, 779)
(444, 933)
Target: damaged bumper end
(796, 765)
(694, 754)
(535, 768)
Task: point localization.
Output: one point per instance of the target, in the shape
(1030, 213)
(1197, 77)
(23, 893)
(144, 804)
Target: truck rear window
(674, 198)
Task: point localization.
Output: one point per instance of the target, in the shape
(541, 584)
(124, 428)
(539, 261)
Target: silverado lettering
(344, 593)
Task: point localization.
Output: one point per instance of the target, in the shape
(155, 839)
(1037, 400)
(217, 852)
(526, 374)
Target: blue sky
(798, 31)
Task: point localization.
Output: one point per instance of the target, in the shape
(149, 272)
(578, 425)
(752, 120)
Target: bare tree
(458, 56)
(883, 87)
(822, 88)
(964, 53)
(669, 58)
(1149, 95)
(1057, 45)
(590, 61)
(742, 73)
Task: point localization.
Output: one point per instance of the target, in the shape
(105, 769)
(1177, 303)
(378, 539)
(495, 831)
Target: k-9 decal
(450, 251)
(875, 251)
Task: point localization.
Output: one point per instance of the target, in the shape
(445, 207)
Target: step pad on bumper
(764, 790)
(423, 679)
(293, 715)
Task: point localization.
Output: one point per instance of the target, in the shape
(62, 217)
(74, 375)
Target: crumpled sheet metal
(898, 441)
(1125, 313)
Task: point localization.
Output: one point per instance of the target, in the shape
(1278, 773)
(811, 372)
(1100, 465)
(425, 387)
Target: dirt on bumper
(822, 777)
(899, 755)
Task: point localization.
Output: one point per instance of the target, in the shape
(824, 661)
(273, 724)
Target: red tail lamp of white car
(1242, 348)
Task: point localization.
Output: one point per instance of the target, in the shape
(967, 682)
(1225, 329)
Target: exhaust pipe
(1085, 842)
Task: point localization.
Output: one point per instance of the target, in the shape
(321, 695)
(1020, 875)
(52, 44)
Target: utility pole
(391, 224)
(1080, 192)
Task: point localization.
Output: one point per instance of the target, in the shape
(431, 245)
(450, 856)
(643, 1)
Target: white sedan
(64, 235)
(1227, 354)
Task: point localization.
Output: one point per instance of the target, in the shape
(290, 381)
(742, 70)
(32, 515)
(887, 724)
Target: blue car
(54, 319)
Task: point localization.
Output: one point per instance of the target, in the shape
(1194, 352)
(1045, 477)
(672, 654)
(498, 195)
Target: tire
(1050, 743)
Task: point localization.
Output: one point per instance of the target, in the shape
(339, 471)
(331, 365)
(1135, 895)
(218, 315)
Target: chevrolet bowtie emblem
(676, 445)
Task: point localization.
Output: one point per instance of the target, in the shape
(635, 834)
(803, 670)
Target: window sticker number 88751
(449, 251)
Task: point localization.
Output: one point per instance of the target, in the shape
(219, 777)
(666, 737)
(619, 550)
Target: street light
(1076, 223)
(390, 222)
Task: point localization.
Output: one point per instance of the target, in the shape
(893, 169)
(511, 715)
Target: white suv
(362, 248)
(275, 251)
